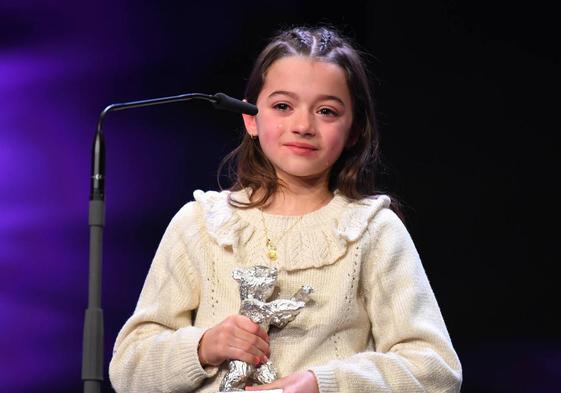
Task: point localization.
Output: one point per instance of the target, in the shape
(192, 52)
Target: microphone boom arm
(150, 102)
(92, 355)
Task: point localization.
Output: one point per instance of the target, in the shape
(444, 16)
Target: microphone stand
(92, 356)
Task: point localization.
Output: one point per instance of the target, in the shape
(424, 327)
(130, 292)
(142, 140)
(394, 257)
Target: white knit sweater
(373, 326)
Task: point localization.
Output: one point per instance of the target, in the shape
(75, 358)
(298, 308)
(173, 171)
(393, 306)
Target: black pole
(92, 355)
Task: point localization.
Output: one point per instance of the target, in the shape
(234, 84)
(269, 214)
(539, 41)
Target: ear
(249, 122)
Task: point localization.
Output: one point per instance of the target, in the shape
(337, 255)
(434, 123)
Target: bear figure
(257, 284)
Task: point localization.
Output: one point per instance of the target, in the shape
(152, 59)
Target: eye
(281, 106)
(327, 112)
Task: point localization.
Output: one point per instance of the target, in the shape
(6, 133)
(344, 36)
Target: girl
(303, 201)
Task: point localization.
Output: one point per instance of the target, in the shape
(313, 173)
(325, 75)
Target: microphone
(231, 104)
(92, 344)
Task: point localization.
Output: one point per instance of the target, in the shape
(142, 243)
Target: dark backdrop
(466, 96)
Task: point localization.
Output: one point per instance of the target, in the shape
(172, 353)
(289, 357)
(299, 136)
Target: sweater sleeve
(157, 348)
(413, 351)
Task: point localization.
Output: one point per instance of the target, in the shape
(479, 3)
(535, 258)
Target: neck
(298, 199)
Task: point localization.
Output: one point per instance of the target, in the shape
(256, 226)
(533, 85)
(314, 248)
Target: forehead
(306, 77)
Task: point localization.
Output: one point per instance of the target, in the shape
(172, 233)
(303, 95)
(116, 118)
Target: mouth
(301, 147)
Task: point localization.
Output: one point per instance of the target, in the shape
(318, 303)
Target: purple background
(466, 96)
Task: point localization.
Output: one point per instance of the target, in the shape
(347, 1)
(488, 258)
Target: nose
(304, 124)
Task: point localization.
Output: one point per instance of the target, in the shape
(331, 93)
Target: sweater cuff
(193, 371)
(325, 376)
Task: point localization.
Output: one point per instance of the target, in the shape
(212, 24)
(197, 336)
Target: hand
(237, 337)
(301, 382)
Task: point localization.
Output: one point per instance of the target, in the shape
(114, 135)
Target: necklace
(271, 248)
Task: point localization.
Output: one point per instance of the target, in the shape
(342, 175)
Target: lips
(301, 149)
(301, 145)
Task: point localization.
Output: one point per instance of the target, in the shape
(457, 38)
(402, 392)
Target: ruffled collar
(323, 236)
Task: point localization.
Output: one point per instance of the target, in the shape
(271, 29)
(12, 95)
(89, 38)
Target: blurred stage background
(466, 92)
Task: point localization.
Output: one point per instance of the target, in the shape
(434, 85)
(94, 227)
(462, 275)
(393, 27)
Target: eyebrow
(322, 97)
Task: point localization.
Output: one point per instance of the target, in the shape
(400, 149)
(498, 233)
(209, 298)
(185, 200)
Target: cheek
(337, 142)
(270, 131)
(269, 125)
(335, 153)
(336, 147)
(268, 140)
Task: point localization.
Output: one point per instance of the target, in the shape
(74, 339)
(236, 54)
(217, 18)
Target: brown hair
(353, 172)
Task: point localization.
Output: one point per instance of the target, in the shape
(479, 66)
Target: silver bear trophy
(257, 284)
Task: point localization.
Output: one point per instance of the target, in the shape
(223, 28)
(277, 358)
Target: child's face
(305, 117)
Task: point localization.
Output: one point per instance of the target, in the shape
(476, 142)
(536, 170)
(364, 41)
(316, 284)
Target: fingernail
(265, 359)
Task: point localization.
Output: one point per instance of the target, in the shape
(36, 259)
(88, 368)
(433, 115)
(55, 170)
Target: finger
(251, 340)
(241, 327)
(251, 327)
(239, 354)
(248, 348)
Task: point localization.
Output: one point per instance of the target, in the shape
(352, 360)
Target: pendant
(272, 254)
(271, 251)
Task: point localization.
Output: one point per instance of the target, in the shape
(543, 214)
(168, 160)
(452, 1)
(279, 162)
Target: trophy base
(263, 391)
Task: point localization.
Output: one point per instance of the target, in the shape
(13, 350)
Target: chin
(304, 174)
